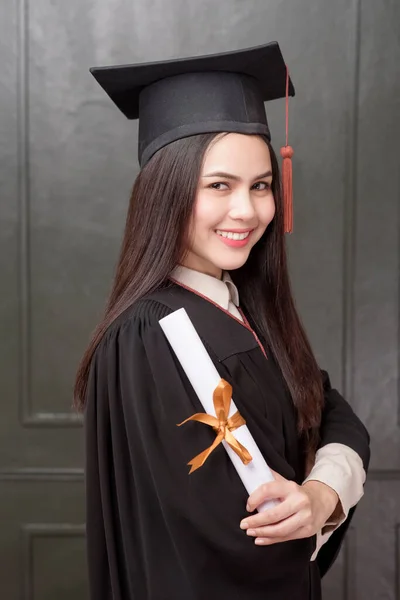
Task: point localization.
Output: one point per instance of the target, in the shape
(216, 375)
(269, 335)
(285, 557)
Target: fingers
(271, 515)
(272, 490)
(290, 520)
(301, 533)
(283, 530)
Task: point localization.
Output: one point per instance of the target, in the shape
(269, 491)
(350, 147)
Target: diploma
(204, 379)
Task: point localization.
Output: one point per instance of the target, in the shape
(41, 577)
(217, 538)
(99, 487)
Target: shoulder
(146, 312)
(135, 324)
(125, 361)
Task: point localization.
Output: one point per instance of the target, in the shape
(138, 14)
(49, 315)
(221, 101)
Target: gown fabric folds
(154, 532)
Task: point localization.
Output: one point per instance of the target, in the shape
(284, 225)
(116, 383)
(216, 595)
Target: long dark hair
(155, 240)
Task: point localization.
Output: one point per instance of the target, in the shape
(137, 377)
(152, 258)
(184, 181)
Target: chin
(231, 264)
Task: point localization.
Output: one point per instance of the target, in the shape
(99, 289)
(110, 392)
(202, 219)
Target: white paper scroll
(204, 378)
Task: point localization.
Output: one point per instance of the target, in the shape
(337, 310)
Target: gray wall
(67, 163)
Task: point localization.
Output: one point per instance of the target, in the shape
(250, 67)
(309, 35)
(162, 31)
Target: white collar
(219, 291)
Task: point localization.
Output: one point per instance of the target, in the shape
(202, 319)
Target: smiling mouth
(230, 235)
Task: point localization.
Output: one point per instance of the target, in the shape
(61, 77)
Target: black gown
(154, 532)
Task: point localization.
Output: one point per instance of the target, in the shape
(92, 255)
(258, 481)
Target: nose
(242, 207)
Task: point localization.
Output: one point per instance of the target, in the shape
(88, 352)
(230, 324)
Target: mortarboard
(224, 92)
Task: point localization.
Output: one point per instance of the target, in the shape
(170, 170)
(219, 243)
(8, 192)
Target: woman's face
(234, 203)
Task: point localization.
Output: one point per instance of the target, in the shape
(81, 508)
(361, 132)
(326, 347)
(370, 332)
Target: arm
(341, 462)
(311, 509)
(134, 471)
(340, 468)
(343, 454)
(337, 464)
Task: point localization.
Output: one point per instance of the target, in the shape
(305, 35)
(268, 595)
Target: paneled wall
(67, 162)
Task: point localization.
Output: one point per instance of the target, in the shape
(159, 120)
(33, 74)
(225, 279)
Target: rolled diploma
(204, 378)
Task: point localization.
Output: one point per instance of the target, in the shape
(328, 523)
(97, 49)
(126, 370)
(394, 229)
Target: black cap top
(178, 98)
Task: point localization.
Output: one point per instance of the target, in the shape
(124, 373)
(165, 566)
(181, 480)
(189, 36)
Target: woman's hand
(302, 511)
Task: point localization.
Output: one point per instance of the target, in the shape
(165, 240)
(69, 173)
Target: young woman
(205, 232)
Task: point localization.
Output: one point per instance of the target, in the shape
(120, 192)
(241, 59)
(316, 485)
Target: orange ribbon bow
(221, 425)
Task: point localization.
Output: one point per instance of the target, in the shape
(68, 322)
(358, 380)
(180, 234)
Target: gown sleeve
(134, 466)
(340, 425)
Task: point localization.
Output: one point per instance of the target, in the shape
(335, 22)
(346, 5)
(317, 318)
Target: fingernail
(251, 532)
(244, 525)
(259, 541)
(248, 507)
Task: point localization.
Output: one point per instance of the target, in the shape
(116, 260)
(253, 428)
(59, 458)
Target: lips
(234, 239)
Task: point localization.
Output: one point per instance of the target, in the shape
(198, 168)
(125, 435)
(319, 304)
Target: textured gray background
(67, 163)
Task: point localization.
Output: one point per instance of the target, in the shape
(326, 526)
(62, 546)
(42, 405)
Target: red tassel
(287, 177)
(287, 187)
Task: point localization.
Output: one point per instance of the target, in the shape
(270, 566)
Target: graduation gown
(154, 532)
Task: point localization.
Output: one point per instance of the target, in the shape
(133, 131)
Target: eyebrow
(235, 177)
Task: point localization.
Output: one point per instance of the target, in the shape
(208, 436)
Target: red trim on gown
(244, 323)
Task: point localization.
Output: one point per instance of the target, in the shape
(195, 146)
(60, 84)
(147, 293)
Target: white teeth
(233, 236)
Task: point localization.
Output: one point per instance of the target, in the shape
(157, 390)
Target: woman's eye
(218, 185)
(262, 186)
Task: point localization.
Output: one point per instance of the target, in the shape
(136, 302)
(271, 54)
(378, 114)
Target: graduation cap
(224, 92)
